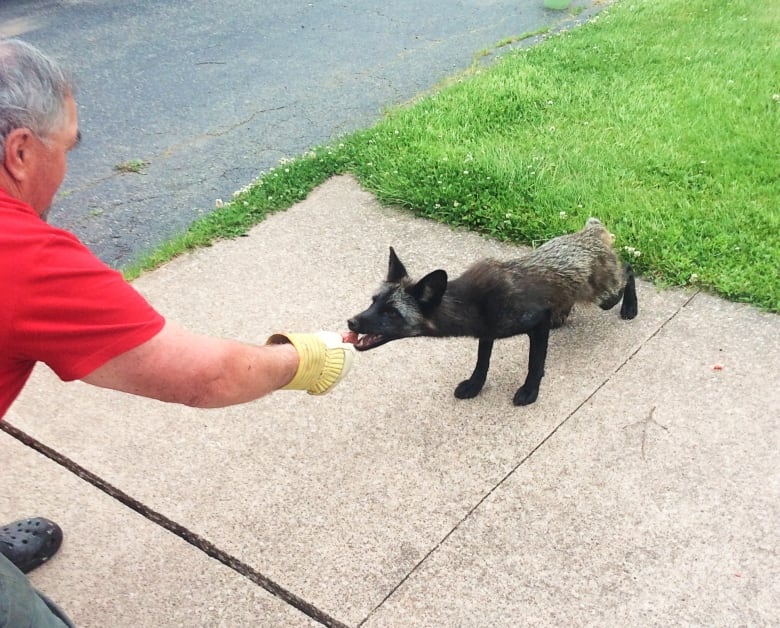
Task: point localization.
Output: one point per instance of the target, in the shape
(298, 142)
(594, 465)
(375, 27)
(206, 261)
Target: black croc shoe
(28, 543)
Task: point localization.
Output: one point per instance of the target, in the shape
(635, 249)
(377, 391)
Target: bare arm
(180, 366)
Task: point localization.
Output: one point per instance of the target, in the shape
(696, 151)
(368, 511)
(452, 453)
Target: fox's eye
(391, 312)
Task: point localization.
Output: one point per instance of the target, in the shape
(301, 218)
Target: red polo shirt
(59, 304)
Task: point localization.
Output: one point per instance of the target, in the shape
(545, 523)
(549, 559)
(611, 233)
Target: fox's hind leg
(470, 388)
(627, 292)
(630, 307)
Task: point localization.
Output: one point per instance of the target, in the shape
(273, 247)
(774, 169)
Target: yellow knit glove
(323, 359)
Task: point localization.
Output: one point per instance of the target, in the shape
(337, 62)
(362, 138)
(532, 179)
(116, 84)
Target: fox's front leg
(537, 354)
(471, 387)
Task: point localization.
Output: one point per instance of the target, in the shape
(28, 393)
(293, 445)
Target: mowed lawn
(660, 117)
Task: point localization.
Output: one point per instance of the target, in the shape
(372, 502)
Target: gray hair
(33, 90)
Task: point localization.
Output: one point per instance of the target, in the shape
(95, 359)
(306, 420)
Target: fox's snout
(365, 322)
(357, 324)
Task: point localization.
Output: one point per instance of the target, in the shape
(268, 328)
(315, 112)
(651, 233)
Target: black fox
(497, 299)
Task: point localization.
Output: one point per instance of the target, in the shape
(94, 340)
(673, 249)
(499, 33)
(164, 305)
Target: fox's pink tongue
(351, 337)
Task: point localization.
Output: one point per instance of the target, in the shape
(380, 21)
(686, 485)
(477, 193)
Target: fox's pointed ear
(430, 289)
(395, 269)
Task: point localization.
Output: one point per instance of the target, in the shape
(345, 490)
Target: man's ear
(395, 269)
(17, 152)
(430, 289)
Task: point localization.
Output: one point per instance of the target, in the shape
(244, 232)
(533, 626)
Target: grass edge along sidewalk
(661, 117)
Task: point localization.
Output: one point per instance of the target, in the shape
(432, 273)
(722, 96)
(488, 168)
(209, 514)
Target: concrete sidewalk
(642, 488)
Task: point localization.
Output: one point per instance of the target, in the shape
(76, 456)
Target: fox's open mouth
(370, 341)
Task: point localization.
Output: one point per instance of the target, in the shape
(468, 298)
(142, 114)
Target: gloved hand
(324, 359)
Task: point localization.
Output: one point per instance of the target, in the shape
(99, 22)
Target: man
(60, 305)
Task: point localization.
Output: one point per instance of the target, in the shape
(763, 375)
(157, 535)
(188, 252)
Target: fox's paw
(468, 389)
(525, 395)
(628, 310)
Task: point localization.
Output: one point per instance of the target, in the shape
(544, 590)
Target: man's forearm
(248, 372)
(179, 366)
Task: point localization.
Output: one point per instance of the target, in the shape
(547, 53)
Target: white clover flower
(637, 253)
(562, 215)
(219, 203)
(693, 278)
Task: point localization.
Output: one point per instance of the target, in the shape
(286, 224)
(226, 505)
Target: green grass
(661, 117)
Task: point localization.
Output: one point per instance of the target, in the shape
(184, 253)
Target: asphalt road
(212, 94)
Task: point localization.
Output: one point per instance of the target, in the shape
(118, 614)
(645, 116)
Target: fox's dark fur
(497, 299)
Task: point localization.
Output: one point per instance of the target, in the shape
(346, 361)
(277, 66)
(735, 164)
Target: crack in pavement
(175, 528)
(263, 581)
(169, 151)
(525, 458)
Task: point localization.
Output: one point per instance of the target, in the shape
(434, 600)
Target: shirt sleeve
(75, 313)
